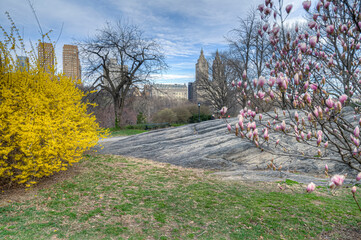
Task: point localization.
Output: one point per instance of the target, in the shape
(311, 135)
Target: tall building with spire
(71, 63)
(218, 69)
(201, 75)
(46, 55)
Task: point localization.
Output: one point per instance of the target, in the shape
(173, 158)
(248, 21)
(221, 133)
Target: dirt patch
(342, 233)
(18, 193)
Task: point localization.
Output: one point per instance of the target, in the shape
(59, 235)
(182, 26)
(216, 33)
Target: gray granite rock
(208, 145)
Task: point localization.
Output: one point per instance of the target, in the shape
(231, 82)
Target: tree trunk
(117, 110)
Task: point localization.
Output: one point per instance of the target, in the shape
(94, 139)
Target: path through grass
(118, 198)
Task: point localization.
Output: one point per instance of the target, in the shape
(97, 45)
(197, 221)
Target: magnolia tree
(314, 79)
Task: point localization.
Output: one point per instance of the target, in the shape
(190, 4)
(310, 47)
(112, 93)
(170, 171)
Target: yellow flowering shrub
(44, 126)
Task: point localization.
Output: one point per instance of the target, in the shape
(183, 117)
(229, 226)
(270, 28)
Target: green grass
(117, 198)
(116, 132)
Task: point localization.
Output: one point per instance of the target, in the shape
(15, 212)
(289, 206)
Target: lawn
(124, 132)
(110, 197)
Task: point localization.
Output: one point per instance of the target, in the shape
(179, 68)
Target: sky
(182, 27)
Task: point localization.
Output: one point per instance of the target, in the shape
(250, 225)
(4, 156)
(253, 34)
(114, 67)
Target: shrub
(44, 126)
(165, 115)
(183, 114)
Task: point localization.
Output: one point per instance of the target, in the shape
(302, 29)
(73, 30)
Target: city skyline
(183, 28)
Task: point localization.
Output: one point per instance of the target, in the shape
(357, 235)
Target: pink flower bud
(283, 125)
(306, 5)
(288, 8)
(353, 189)
(319, 153)
(356, 132)
(261, 81)
(326, 168)
(312, 24)
(326, 144)
(239, 84)
(244, 75)
(265, 135)
(233, 83)
(338, 179)
(343, 99)
(277, 142)
(306, 85)
(229, 127)
(358, 178)
(260, 117)
(296, 116)
(311, 187)
(319, 139)
(272, 96)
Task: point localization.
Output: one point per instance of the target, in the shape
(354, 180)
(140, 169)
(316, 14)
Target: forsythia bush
(44, 126)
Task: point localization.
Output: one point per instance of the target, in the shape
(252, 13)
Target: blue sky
(182, 27)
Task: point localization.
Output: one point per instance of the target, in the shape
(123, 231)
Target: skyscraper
(46, 56)
(71, 63)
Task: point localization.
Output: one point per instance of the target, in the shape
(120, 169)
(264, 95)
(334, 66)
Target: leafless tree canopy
(118, 57)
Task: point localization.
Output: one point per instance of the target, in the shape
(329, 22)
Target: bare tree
(249, 50)
(215, 85)
(118, 57)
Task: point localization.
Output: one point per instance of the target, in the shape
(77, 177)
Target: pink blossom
(353, 189)
(313, 41)
(326, 144)
(261, 81)
(255, 82)
(288, 8)
(271, 81)
(229, 127)
(267, 11)
(358, 178)
(224, 110)
(343, 98)
(277, 142)
(260, 117)
(338, 105)
(265, 27)
(271, 95)
(311, 187)
(314, 86)
(261, 95)
(261, 7)
(329, 103)
(343, 28)
(338, 179)
(306, 5)
(330, 29)
(233, 83)
(303, 47)
(326, 168)
(239, 84)
(356, 132)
